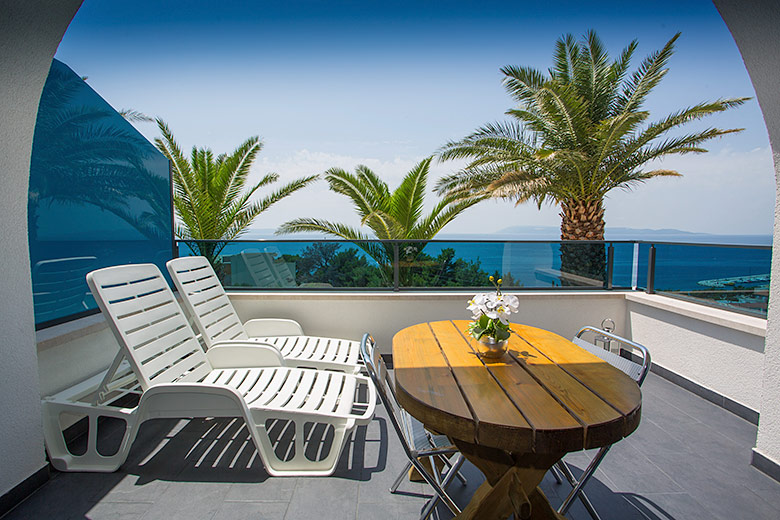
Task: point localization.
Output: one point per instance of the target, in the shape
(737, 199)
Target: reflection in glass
(99, 195)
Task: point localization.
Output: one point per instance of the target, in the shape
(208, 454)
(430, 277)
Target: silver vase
(491, 347)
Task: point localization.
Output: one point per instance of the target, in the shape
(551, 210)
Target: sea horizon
(552, 233)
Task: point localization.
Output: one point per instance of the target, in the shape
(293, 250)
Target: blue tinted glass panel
(99, 195)
(625, 267)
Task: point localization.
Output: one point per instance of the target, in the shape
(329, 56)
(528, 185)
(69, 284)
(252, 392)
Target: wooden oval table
(516, 416)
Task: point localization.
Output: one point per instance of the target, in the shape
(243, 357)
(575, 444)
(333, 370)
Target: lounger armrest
(272, 327)
(169, 400)
(370, 402)
(243, 354)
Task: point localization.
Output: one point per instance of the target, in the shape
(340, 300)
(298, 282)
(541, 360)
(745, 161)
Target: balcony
(690, 457)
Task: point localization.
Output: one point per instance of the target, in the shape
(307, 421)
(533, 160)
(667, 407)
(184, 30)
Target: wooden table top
(545, 395)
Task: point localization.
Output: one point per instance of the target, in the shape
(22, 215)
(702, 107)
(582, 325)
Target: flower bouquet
(490, 313)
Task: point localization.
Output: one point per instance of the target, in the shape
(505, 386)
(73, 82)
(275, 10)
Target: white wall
(29, 34)
(755, 26)
(720, 350)
(350, 315)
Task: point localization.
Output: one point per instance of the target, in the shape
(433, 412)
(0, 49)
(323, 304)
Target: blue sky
(386, 83)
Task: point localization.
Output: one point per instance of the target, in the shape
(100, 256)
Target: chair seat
(314, 348)
(421, 439)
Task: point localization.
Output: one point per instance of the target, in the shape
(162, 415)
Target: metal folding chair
(417, 442)
(627, 359)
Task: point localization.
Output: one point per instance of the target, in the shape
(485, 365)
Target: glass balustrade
(735, 277)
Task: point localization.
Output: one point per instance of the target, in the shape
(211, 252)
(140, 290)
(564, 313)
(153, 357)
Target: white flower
(477, 305)
(511, 302)
(493, 305)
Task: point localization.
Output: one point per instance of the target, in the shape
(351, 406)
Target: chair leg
(458, 474)
(400, 478)
(556, 473)
(439, 487)
(578, 485)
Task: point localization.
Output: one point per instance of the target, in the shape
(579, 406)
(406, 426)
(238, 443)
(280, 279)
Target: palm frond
(406, 203)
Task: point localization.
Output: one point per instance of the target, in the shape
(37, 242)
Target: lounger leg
(61, 457)
(299, 465)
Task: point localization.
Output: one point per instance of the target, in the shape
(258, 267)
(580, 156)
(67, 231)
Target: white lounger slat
(153, 348)
(296, 346)
(235, 332)
(132, 290)
(140, 335)
(290, 388)
(346, 396)
(175, 371)
(206, 307)
(260, 395)
(255, 377)
(201, 295)
(316, 349)
(150, 300)
(331, 397)
(332, 350)
(286, 391)
(195, 375)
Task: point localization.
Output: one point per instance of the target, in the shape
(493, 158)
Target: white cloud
(728, 192)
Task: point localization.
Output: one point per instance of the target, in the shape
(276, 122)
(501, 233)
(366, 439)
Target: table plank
(611, 385)
(425, 385)
(602, 423)
(554, 428)
(499, 423)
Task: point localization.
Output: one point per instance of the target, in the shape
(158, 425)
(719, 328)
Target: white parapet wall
(719, 350)
(383, 314)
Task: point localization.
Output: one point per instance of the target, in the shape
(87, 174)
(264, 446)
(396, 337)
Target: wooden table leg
(511, 485)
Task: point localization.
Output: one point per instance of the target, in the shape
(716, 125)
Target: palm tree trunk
(583, 220)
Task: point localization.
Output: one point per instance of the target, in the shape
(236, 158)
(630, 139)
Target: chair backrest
(636, 371)
(205, 300)
(377, 370)
(148, 324)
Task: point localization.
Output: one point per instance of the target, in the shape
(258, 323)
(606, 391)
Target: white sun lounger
(214, 316)
(179, 380)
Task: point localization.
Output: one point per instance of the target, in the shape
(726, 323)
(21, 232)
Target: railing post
(396, 266)
(651, 270)
(610, 266)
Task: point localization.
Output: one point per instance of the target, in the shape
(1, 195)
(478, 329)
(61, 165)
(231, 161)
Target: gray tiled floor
(689, 459)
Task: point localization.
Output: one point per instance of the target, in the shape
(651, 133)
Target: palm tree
(579, 132)
(390, 216)
(210, 194)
